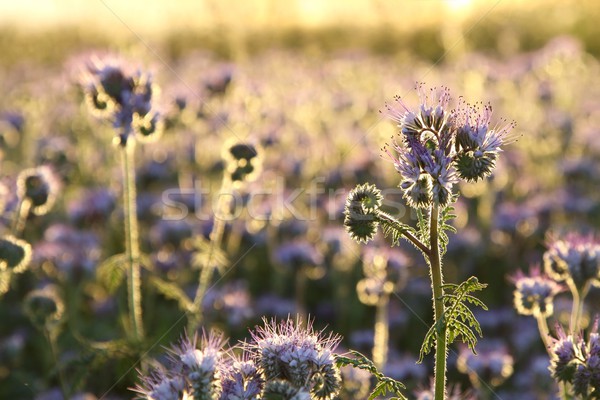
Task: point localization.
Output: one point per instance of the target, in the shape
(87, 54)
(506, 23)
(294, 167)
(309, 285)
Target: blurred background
(304, 80)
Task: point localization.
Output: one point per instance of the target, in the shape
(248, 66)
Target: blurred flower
(71, 252)
(44, 307)
(534, 294)
(574, 258)
(15, 254)
(298, 254)
(124, 95)
(492, 365)
(356, 383)
(91, 207)
(243, 161)
(39, 186)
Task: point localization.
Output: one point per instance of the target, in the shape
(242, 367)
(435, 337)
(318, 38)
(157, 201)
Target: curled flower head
(44, 306)
(439, 146)
(360, 217)
(534, 294)
(574, 259)
(39, 187)
(15, 254)
(116, 91)
(297, 356)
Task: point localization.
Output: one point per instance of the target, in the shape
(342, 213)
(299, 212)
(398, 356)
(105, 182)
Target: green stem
(578, 301)
(300, 283)
(206, 271)
(21, 215)
(385, 217)
(544, 332)
(380, 346)
(438, 293)
(132, 247)
(54, 351)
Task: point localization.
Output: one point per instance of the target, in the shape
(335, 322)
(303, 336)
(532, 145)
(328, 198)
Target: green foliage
(172, 291)
(446, 215)
(111, 272)
(458, 319)
(423, 226)
(207, 255)
(384, 384)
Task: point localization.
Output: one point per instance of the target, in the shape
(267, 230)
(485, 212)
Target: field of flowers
(149, 197)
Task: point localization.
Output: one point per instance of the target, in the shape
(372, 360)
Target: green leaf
(458, 321)
(172, 291)
(208, 255)
(111, 272)
(384, 384)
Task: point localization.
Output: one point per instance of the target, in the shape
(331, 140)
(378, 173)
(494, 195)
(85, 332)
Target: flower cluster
(286, 359)
(296, 360)
(534, 294)
(124, 95)
(439, 146)
(576, 362)
(574, 259)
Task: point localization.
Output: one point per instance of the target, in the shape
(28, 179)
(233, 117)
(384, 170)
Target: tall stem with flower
(438, 147)
(125, 98)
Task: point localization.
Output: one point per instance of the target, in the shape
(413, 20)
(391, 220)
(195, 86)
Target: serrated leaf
(111, 272)
(171, 291)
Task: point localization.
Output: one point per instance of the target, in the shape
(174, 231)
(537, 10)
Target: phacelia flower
(15, 254)
(534, 294)
(38, 186)
(574, 259)
(243, 161)
(116, 91)
(298, 357)
(565, 356)
(201, 367)
(160, 385)
(439, 146)
(242, 380)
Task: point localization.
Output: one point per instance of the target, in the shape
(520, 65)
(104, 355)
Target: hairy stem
(578, 301)
(206, 270)
(386, 218)
(132, 247)
(21, 214)
(438, 293)
(380, 346)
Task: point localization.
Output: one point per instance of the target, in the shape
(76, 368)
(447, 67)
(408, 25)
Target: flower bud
(419, 193)
(148, 127)
(472, 166)
(360, 212)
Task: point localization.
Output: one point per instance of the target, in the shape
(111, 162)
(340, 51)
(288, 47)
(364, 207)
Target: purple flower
(438, 146)
(298, 355)
(534, 294)
(574, 259)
